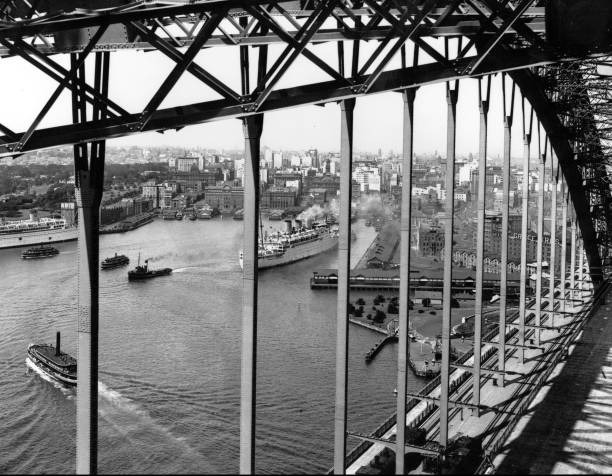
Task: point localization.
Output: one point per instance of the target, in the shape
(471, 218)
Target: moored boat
(35, 230)
(53, 362)
(38, 252)
(296, 243)
(143, 272)
(115, 261)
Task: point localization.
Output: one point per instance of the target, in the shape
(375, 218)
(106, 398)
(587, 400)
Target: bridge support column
(573, 256)
(404, 290)
(563, 271)
(480, 218)
(451, 98)
(344, 266)
(553, 236)
(527, 127)
(540, 242)
(89, 181)
(581, 267)
(503, 278)
(252, 127)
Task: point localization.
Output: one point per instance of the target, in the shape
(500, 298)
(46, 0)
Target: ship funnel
(298, 223)
(57, 343)
(309, 222)
(288, 227)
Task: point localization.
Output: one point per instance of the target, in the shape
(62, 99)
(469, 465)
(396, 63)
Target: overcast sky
(135, 77)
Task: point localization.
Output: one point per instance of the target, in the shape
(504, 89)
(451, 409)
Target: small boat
(193, 217)
(179, 215)
(205, 212)
(115, 261)
(168, 214)
(53, 362)
(143, 272)
(41, 251)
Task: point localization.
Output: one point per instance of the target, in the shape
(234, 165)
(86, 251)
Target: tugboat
(41, 251)
(115, 261)
(53, 362)
(143, 272)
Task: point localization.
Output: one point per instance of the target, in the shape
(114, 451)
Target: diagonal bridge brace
(70, 77)
(287, 57)
(200, 73)
(29, 52)
(201, 38)
(283, 35)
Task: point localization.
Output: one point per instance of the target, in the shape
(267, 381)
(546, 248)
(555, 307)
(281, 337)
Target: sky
(135, 76)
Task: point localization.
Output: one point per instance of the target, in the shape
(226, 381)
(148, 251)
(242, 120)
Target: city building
(279, 197)
(226, 197)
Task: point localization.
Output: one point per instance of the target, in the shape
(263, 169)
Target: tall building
(278, 160)
(153, 192)
(184, 164)
(314, 157)
(239, 170)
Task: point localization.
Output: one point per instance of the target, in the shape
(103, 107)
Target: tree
(379, 316)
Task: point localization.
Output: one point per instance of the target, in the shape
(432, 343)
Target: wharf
(378, 347)
(128, 224)
(372, 327)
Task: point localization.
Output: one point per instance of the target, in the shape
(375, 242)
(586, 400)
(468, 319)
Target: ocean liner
(35, 231)
(294, 244)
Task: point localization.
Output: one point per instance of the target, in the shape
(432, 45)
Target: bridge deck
(569, 425)
(491, 424)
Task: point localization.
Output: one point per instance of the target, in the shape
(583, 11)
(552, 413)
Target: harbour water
(170, 358)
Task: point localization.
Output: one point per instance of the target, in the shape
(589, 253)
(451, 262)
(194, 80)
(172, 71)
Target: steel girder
(181, 116)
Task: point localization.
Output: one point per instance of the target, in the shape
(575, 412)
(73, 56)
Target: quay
(368, 326)
(128, 224)
(430, 279)
(373, 352)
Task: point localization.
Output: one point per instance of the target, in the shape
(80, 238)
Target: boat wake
(134, 423)
(186, 268)
(68, 392)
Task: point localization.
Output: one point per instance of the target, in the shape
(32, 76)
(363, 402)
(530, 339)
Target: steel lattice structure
(554, 60)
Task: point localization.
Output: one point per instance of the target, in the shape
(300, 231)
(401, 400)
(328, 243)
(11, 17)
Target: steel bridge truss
(380, 45)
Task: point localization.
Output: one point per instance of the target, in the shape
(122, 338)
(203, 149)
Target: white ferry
(295, 244)
(35, 231)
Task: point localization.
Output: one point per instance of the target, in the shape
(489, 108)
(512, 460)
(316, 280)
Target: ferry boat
(38, 252)
(296, 243)
(115, 261)
(205, 212)
(34, 231)
(143, 272)
(53, 362)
